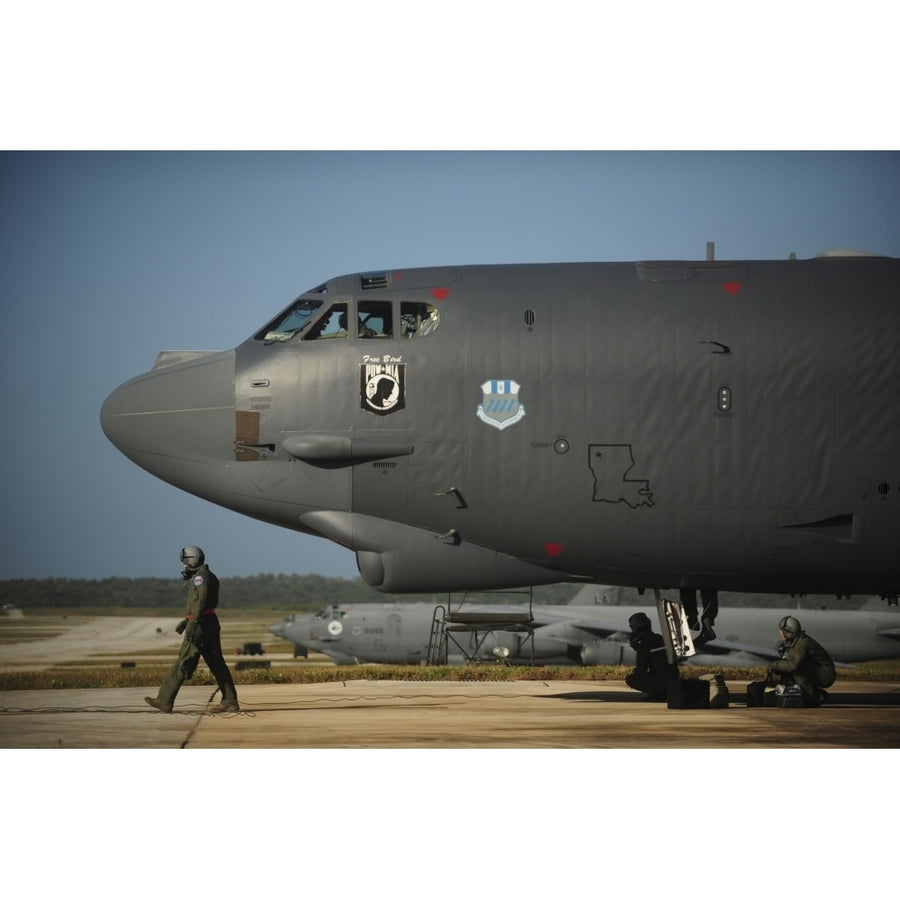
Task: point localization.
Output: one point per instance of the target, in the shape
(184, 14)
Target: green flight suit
(808, 665)
(201, 638)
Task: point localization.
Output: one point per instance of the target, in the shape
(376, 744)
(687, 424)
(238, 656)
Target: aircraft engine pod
(606, 653)
(370, 567)
(397, 558)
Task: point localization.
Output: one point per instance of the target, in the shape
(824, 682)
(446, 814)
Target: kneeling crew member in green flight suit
(804, 662)
(201, 637)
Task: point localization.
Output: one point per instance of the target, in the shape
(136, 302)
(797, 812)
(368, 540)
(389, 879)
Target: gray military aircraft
(587, 631)
(717, 425)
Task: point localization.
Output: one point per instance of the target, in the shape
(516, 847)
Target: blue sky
(108, 258)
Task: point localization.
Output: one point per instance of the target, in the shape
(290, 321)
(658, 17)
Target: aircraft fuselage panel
(730, 425)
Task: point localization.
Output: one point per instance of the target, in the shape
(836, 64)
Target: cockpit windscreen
(346, 318)
(292, 320)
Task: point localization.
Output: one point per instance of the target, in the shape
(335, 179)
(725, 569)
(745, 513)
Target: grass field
(147, 668)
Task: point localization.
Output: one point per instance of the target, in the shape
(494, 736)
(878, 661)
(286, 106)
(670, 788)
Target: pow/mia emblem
(382, 387)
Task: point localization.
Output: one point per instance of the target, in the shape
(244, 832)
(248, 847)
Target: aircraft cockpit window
(418, 319)
(333, 324)
(331, 612)
(293, 320)
(375, 319)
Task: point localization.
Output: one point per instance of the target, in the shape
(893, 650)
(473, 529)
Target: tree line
(298, 593)
(309, 593)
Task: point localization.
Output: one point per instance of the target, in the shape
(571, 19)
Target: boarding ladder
(468, 629)
(437, 642)
(676, 633)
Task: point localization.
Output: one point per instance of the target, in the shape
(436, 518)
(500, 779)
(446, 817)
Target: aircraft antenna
(710, 251)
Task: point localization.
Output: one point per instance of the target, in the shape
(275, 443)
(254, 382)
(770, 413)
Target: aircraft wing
(719, 648)
(591, 630)
(569, 631)
(601, 631)
(566, 630)
(547, 616)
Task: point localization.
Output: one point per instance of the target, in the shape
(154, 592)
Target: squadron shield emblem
(382, 387)
(500, 404)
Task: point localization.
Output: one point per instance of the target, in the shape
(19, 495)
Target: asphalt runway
(404, 714)
(95, 637)
(443, 715)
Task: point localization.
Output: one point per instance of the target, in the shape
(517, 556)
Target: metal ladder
(448, 622)
(437, 641)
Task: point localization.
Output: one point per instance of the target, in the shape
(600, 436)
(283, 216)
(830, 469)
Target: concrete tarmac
(448, 715)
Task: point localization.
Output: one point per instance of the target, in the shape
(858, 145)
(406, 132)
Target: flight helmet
(790, 628)
(640, 621)
(192, 557)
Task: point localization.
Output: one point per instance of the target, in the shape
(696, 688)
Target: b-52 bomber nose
(176, 419)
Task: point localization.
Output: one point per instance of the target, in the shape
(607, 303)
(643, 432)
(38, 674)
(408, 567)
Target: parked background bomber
(719, 425)
(583, 632)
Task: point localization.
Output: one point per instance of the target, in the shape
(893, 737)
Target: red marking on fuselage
(553, 549)
(440, 293)
(732, 286)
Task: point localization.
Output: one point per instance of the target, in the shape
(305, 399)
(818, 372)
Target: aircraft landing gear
(674, 627)
(690, 693)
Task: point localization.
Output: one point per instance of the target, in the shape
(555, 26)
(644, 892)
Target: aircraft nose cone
(114, 416)
(174, 417)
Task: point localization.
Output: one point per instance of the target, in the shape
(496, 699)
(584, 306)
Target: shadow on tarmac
(738, 698)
